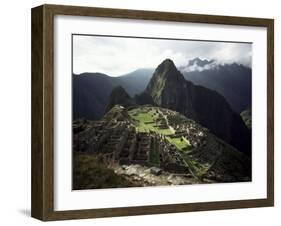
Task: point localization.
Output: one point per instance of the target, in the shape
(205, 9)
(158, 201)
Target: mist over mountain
(197, 64)
(233, 81)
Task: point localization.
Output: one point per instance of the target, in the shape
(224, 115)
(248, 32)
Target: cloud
(116, 56)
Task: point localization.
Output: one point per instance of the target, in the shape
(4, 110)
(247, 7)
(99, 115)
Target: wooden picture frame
(43, 107)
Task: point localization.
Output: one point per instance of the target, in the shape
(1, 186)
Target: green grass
(147, 121)
(144, 117)
(178, 142)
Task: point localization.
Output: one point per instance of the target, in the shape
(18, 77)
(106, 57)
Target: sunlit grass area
(179, 142)
(147, 121)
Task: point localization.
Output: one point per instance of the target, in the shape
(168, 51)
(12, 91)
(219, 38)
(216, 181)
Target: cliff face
(169, 89)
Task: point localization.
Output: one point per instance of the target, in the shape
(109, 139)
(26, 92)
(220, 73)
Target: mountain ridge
(95, 89)
(233, 82)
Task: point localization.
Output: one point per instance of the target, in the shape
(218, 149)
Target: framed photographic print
(141, 112)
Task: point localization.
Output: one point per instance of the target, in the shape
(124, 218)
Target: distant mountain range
(95, 89)
(233, 81)
(94, 94)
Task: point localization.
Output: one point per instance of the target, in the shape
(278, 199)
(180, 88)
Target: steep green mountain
(247, 117)
(119, 96)
(169, 89)
(153, 146)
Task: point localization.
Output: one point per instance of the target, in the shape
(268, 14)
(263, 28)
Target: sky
(117, 56)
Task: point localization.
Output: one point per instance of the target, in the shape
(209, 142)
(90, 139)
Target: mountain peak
(119, 96)
(168, 71)
(166, 66)
(169, 89)
(168, 61)
(165, 79)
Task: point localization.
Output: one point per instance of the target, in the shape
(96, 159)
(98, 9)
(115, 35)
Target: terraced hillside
(150, 145)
